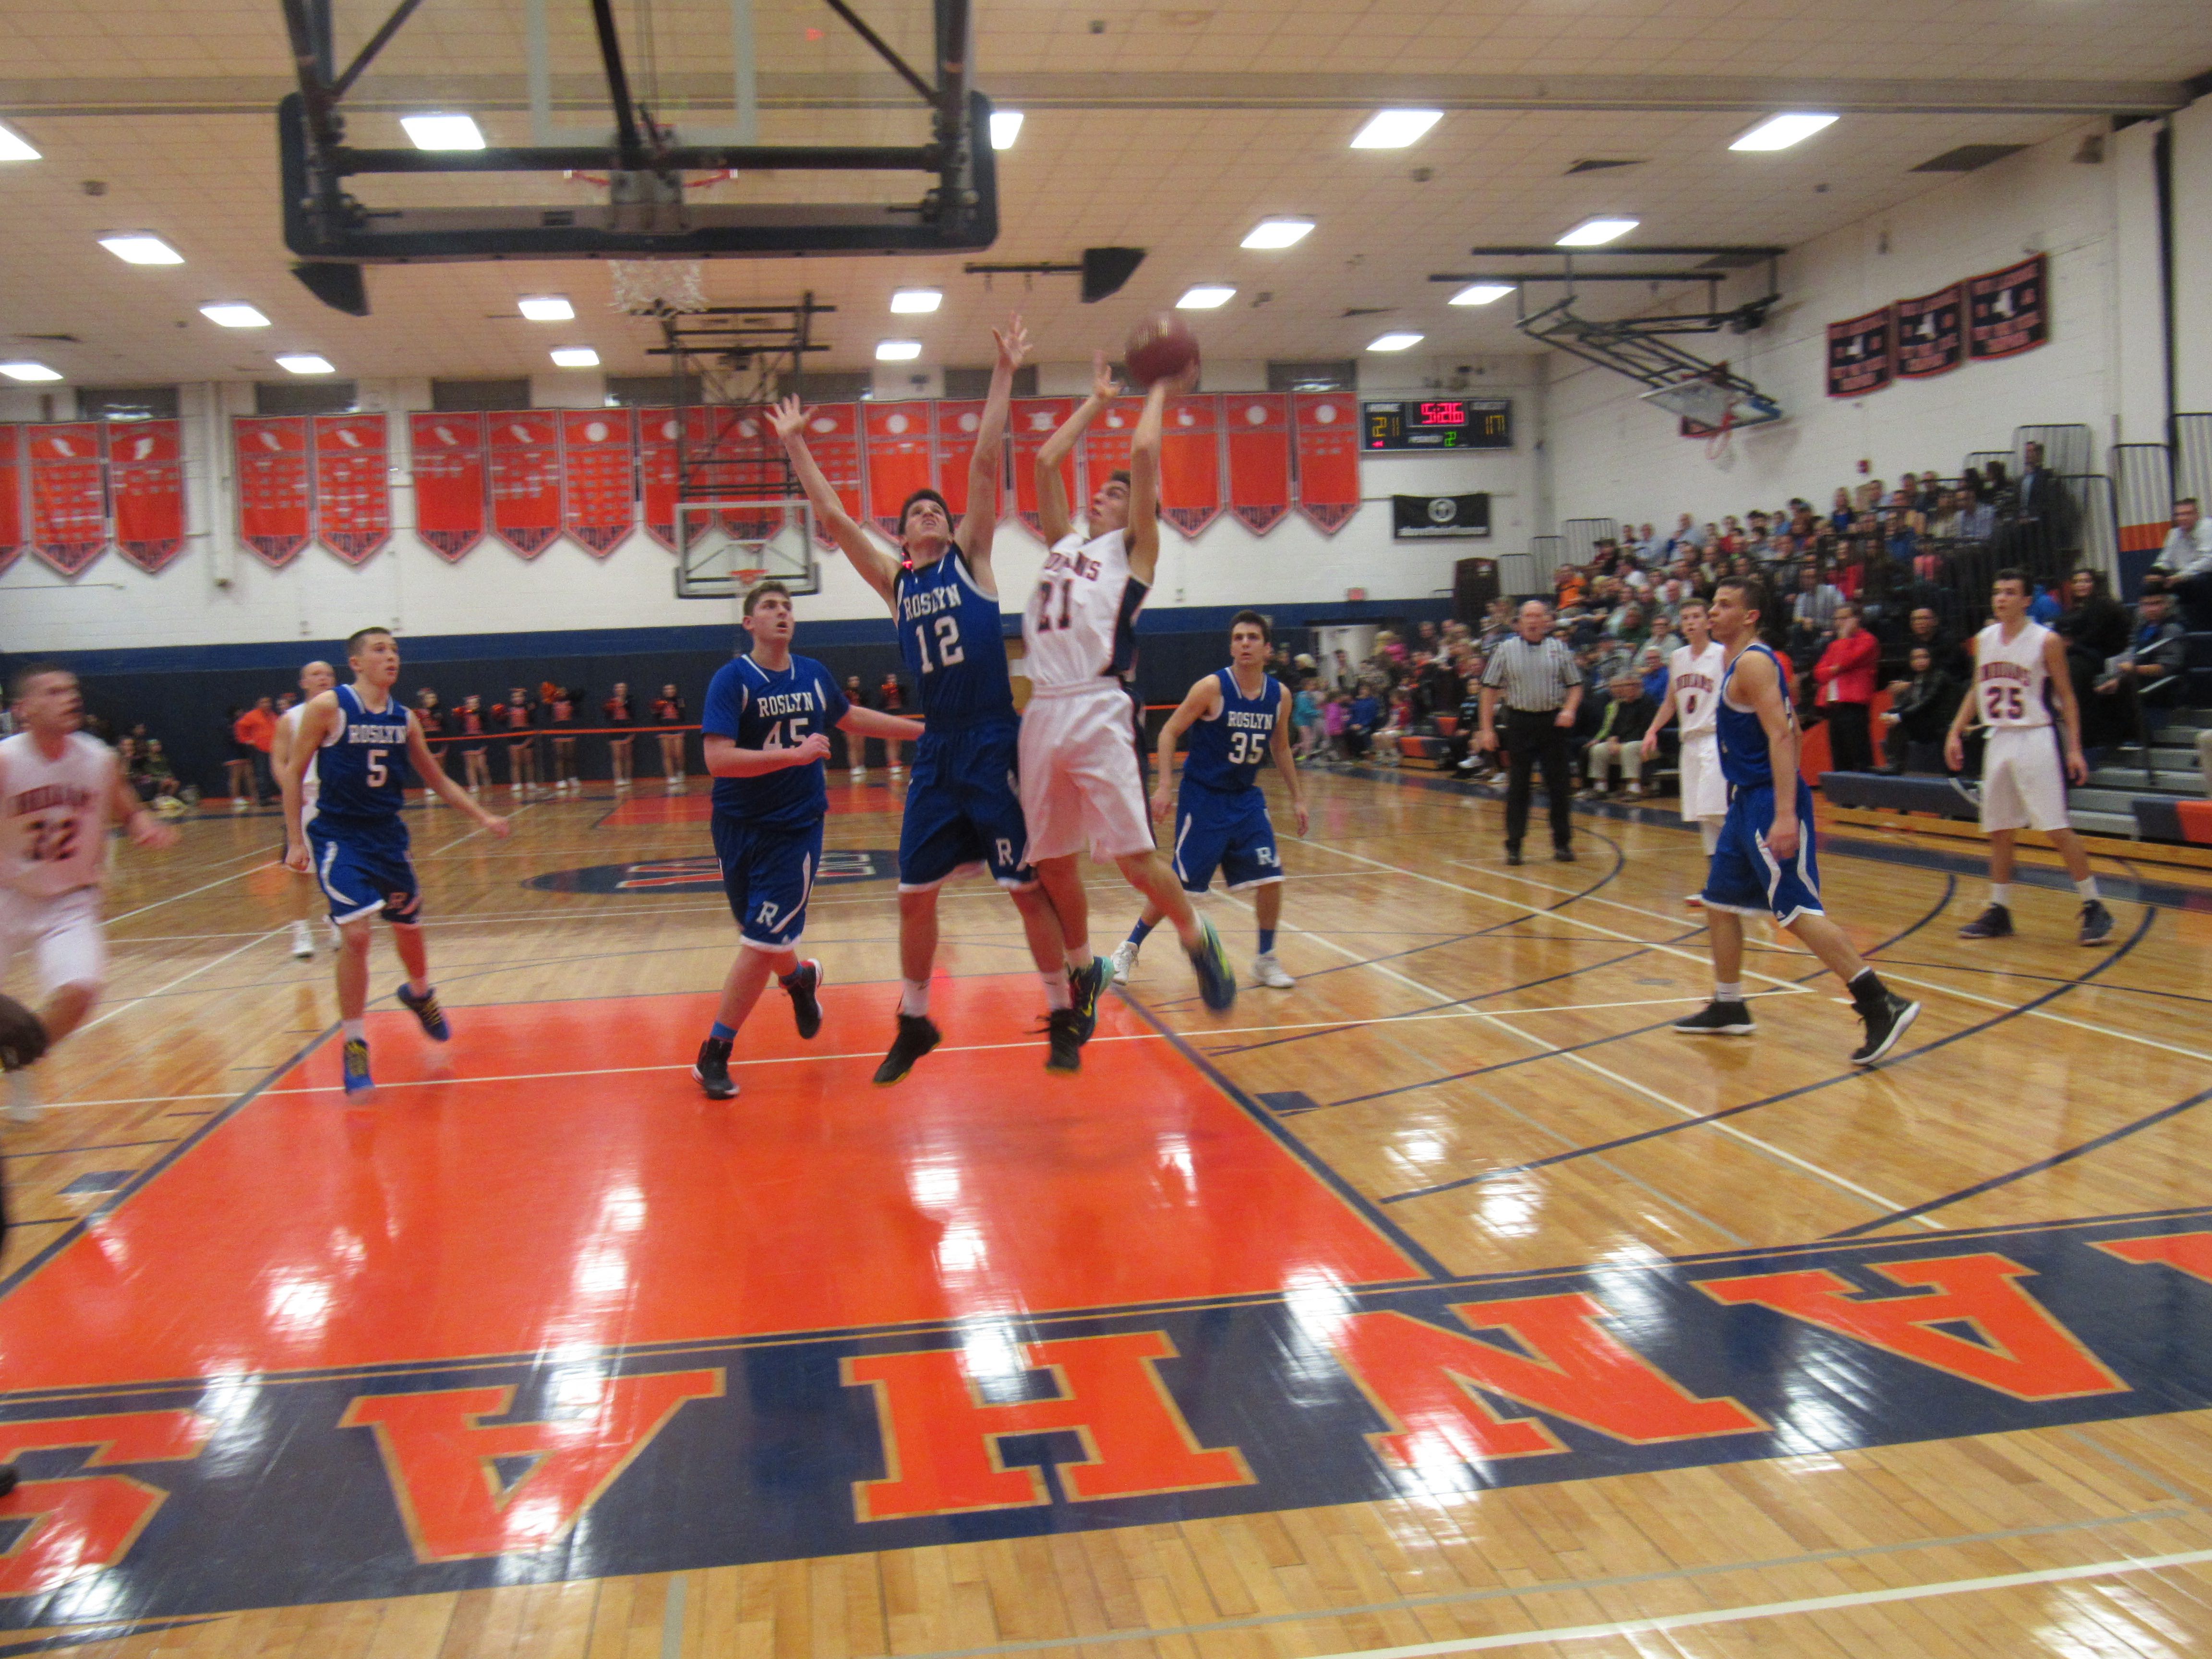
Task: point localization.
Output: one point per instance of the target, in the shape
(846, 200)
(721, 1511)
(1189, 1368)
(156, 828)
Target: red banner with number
(1105, 449)
(656, 472)
(68, 494)
(899, 461)
(1328, 425)
(1035, 420)
(1190, 463)
(1258, 447)
(833, 432)
(11, 496)
(448, 452)
(273, 490)
(596, 447)
(526, 478)
(353, 485)
(146, 469)
(731, 451)
(956, 423)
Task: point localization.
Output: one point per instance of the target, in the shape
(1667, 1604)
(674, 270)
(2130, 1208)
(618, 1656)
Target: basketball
(1160, 348)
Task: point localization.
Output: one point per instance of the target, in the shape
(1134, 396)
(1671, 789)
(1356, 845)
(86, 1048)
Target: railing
(1582, 536)
(2192, 457)
(2069, 448)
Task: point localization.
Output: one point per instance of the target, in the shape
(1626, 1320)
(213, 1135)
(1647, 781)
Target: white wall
(216, 594)
(2192, 255)
(1615, 457)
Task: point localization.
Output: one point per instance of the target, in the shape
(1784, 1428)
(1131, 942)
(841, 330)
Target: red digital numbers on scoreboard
(1443, 415)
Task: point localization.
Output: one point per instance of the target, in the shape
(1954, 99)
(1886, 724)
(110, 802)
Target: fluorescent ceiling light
(1005, 127)
(1780, 131)
(1278, 233)
(303, 362)
(575, 357)
(29, 372)
(443, 131)
(141, 247)
(1394, 341)
(1482, 293)
(1206, 296)
(915, 301)
(545, 307)
(897, 351)
(13, 148)
(1394, 129)
(234, 314)
(1597, 233)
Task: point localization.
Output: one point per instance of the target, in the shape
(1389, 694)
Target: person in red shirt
(620, 747)
(559, 713)
(473, 756)
(515, 715)
(256, 731)
(1845, 675)
(668, 710)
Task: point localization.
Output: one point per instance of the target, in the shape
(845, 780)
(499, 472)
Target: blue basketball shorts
(364, 868)
(769, 875)
(1231, 832)
(1746, 877)
(963, 809)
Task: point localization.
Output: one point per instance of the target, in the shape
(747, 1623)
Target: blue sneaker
(425, 1008)
(1083, 990)
(358, 1079)
(1217, 979)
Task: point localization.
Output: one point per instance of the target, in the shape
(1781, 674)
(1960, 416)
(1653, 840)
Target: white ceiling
(1172, 130)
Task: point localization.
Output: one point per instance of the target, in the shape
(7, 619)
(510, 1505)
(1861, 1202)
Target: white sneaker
(860, 772)
(303, 942)
(22, 1098)
(238, 803)
(1125, 962)
(1269, 972)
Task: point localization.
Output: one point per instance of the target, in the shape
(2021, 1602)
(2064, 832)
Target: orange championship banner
(957, 423)
(1190, 463)
(1327, 426)
(146, 469)
(526, 478)
(899, 459)
(448, 460)
(833, 433)
(11, 496)
(1105, 451)
(68, 494)
(596, 493)
(657, 458)
(353, 485)
(1033, 421)
(1259, 445)
(275, 489)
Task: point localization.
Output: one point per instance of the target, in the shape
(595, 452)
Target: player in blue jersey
(1238, 717)
(963, 810)
(1764, 862)
(766, 730)
(361, 743)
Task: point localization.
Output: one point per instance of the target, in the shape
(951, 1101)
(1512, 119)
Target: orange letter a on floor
(457, 1502)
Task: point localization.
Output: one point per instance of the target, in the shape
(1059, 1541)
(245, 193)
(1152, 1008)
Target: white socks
(1732, 993)
(914, 998)
(1078, 957)
(2087, 887)
(2001, 893)
(354, 1031)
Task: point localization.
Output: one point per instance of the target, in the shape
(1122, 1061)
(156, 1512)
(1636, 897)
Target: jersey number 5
(948, 645)
(378, 777)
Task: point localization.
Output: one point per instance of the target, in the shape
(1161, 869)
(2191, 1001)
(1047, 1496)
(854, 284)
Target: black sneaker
(1996, 922)
(711, 1068)
(806, 1010)
(1562, 854)
(916, 1037)
(1083, 990)
(1216, 978)
(1064, 1031)
(1513, 855)
(2096, 922)
(1884, 1025)
(1717, 1018)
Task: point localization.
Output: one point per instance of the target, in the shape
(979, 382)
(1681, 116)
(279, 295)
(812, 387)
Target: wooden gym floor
(1447, 1302)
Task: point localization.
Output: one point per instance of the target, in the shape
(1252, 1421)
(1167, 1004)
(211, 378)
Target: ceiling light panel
(1780, 131)
(304, 362)
(1005, 127)
(12, 147)
(26, 370)
(1394, 341)
(1206, 296)
(140, 247)
(545, 307)
(1482, 293)
(1394, 129)
(1278, 233)
(916, 302)
(897, 351)
(235, 313)
(443, 131)
(1597, 233)
(575, 357)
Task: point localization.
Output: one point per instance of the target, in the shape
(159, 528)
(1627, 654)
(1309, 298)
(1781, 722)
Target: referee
(1542, 687)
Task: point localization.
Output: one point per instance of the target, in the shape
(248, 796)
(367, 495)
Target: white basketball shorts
(1705, 791)
(1083, 782)
(62, 935)
(2023, 785)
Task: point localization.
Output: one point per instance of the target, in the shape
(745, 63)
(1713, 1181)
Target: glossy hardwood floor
(1469, 1116)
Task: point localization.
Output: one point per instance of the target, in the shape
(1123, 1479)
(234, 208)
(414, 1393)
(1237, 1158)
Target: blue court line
(2096, 1144)
(2142, 927)
(64, 1151)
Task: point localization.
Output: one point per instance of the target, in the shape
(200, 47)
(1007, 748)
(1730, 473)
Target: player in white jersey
(315, 679)
(59, 791)
(1693, 695)
(1082, 755)
(2015, 662)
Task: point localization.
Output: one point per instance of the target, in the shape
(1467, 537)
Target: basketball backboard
(719, 542)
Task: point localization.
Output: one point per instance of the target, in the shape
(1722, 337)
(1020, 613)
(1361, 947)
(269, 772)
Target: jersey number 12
(948, 645)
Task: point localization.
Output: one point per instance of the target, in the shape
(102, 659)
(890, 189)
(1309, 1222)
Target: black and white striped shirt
(1536, 677)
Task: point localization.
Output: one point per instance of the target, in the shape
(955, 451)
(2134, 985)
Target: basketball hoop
(658, 287)
(747, 579)
(1717, 442)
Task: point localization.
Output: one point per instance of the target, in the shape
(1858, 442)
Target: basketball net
(658, 288)
(1716, 444)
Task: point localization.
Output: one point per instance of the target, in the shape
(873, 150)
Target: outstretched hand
(1103, 386)
(788, 418)
(1013, 344)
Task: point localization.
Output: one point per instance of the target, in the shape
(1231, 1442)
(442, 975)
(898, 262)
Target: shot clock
(1439, 423)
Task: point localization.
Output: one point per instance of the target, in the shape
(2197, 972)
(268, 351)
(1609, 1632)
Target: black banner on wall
(1930, 335)
(1439, 518)
(2011, 310)
(1858, 355)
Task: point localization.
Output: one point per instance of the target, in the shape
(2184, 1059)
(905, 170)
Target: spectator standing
(668, 711)
(856, 746)
(561, 718)
(256, 730)
(517, 716)
(470, 721)
(890, 697)
(1845, 675)
(620, 713)
(1305, 715)
(2095, 627)
(1534, 676)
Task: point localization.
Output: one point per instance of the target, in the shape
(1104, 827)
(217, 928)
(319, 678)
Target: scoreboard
(1439, 423)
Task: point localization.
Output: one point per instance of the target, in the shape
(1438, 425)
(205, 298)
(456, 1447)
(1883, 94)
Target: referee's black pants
(1531, 737)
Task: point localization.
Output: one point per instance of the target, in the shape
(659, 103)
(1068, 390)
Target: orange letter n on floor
(445, 1463)
(941, 1452)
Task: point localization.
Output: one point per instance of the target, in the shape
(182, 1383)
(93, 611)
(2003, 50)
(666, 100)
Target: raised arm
(1145, 486)
(1051, 491)
(985, 467)
(878, 569)
(1197, 703)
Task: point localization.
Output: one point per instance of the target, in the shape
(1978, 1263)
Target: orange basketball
(1160, 348)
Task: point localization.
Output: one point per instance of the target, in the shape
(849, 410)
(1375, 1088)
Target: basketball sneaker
(1886, 1022)
(916, 1036)
(1217, 979)
(1064, 1031)
(1717, 1018)
(1083, 990)
(303, 942)
(1563, 856)
(358, 1079)
(1125, 962)
(1269, 972)
(711, 1068)
(1996, 922)
(2096, 922)
(1694, 901)
(425, 1009)
(805, 1009)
